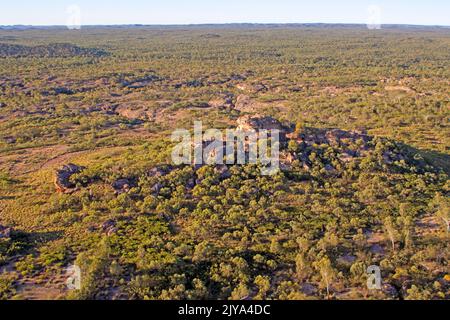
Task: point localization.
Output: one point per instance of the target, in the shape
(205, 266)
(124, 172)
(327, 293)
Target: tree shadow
(434, 158)
(7, 198)
(44, 236)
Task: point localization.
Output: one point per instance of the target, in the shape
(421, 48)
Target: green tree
(263, 284)
(327, 273)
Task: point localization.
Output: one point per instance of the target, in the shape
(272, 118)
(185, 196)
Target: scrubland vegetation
(107, 100)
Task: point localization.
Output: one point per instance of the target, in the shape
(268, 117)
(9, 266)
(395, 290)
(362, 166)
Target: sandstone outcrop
(62, 178)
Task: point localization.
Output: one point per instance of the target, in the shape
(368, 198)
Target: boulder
(121, 186)
(5, 233)
(224, 102)
(249, 123)
(62, 178)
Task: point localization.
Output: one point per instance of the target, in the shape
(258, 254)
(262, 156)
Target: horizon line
(222, 24)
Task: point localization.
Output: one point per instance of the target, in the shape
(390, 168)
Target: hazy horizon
(199, 12)
(226, 24)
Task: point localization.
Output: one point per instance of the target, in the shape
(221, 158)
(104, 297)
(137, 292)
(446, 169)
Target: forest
(86, 176)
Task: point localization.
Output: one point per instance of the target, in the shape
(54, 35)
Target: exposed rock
(336, 137)
(245, 104)
(252, 88)
(256, 123)
(121, 186)
(62, 179)
(5, 233)
(225, 102)
(249, 123)
(399, 88)
(242, 101)
(133, 113)
(159, 171)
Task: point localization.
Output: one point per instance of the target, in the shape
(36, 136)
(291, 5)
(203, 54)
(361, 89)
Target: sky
(109, 12)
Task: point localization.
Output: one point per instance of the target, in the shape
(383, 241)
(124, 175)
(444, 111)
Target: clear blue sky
(54, 12)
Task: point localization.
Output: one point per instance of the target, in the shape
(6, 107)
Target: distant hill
(231, 25)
